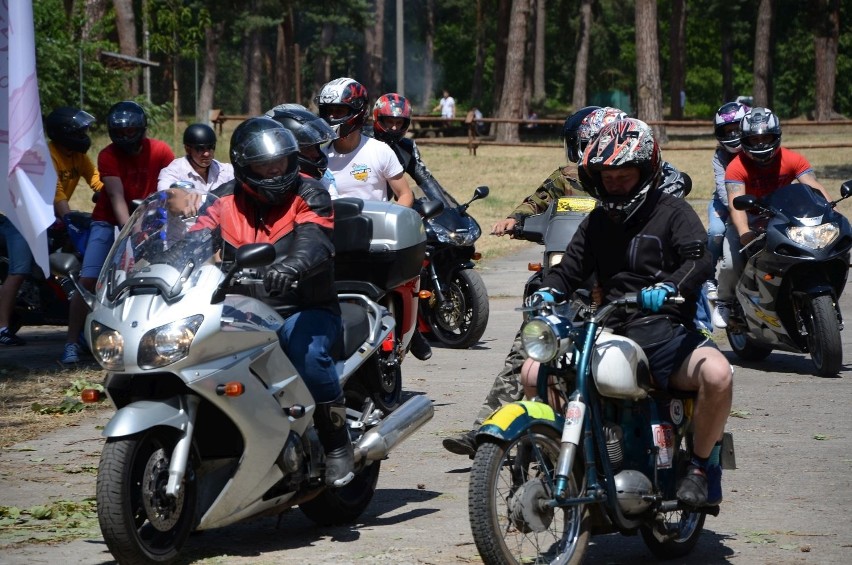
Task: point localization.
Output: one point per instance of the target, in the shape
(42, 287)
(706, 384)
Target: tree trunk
(504, 13)
(581, 65)
(428, 57)
(479, 64)
(322, 62)
(374, 47)
(283, 67)
(511, 99)
(212, 41)
(762, 90)
(728, 93)
(826, 38)
(677, 42)
(648, 88)
(538, 91)
(125, 26)
(255, 73)
(93, 12)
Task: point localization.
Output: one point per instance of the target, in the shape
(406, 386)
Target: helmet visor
(81, 121)
(267, 145)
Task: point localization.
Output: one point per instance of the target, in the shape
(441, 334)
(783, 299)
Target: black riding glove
(278, 278)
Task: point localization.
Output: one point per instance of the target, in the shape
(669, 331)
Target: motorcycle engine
(631, 487)
(614, 436)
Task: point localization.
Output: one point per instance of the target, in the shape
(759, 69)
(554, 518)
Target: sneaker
(84, 347)
(464, 444)
(711, 290)
(71, 354)
(8, 338)
(714, 485)
(420, 348)
(721, 314)
(692, 490)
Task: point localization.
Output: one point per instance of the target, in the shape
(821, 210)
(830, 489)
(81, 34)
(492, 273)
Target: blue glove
(652, 298)
(544, 296)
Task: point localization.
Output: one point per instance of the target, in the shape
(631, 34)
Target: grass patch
(59, 521)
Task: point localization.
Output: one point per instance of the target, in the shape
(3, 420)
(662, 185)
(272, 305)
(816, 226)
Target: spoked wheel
(676, 535)
(139, 521)
(746, 349)
(510, 487)
(820, 318)
(380, 378)
(460, 322)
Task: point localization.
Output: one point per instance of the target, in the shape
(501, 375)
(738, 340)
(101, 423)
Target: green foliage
(56, 521)
(70, 401)
(178, 27)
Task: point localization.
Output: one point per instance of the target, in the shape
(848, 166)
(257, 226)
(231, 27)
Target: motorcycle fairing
(511, 420)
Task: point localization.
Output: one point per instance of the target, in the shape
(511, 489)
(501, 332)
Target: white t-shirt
(363, 172)
(181, 169)
(448, 107)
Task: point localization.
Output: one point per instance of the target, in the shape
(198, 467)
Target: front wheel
(746, 348)
(139, 521)
(820, 319)
(511, 520)
(461, 320)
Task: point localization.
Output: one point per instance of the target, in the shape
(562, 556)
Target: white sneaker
(712, 291)
(721, 314)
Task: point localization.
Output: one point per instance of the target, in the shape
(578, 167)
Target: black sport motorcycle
(456, 313)
(787, 296)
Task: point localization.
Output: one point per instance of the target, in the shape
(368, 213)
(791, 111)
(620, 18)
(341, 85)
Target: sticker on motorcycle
(676, 411)
(664, 440)
(575, 204)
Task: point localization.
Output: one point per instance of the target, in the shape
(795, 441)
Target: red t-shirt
(138, 173)
(761, 180)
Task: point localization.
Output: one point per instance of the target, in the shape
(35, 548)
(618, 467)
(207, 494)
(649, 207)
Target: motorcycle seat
(356, 330)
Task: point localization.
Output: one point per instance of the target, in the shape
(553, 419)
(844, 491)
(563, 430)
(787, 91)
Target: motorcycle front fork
(575, 414)
(180, 454)
(436, 283)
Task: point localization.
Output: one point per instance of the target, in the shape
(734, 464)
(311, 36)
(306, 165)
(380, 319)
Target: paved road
(787, 503)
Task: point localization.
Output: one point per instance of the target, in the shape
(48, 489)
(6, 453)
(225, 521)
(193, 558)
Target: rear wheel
(335, 506)
(820, 319)
(460, 322)
(508, 495)
(139, 521)
(676, 535)
(746, 349)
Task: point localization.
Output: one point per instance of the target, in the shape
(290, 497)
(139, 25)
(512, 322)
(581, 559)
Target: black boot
(420, 347)
(330, 420)
(464, 444)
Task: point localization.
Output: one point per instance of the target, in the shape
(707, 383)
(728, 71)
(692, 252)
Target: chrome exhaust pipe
(404, 421)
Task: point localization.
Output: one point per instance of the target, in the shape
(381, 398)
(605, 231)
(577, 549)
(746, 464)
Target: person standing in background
(447, 106)
(129, 168)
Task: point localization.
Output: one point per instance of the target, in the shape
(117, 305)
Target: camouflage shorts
(507, 386)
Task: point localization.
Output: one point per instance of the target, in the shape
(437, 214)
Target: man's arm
(115, 188)
(404, 194)
(738, 218)
(811, 180)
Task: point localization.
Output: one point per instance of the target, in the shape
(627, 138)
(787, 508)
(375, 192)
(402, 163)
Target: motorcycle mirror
(745, 202)
(693, 249)
(428, 208)
(480, 192)
(255, 255)
(846, 189)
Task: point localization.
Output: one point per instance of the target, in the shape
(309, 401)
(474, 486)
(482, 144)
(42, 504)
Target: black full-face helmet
(622, 143)
(311, 131)
(261, 141)
(348, 93)
(569, 133)
(69, 127)
(127, 123)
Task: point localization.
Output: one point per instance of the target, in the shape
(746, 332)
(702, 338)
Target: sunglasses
(203, 148)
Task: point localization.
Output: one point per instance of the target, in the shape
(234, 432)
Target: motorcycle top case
(379, 242)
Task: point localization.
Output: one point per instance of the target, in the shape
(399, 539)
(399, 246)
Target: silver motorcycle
(213, 423)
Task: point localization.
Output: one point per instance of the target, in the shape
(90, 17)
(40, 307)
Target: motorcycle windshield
(161, 248)
(797, 201)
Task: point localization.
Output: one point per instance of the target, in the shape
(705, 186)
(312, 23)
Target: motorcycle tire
(337, 506)
(462, 324)
(688, 526)
(139, 522)
(746, 349)
(381, 382)
(826, 350)
(507, 482)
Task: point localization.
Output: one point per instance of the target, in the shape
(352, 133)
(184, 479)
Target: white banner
(27, 197)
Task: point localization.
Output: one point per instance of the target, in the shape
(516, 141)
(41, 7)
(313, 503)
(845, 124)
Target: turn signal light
(233, 388)
(91, 395)
(534, 267)
(768, 277)
(477, 256)
(425, 294)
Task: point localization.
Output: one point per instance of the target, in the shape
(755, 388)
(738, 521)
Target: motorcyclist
(577, 132)
(635, 242)
(762, 168)
(270, 202)
(362, 167)
(726, 128)
(312, 133)
(198, 165)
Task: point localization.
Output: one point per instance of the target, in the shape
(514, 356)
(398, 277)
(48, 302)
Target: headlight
(815, 237)
(546, 337)
(168, 344)
(107, 347)
(462, 238)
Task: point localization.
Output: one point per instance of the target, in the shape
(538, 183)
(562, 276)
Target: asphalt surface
(788, 502)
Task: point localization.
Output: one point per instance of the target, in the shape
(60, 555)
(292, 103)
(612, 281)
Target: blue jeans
(307, 338)
(17, 249)
(717, 215)
(101, 238)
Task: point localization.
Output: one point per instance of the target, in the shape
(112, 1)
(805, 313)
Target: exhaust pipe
(404, 421)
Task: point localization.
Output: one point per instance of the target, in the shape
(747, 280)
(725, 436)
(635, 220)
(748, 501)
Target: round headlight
(545, 337)
(107, 347)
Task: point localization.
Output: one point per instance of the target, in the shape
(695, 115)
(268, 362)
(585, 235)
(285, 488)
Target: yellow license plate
(575, 204)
